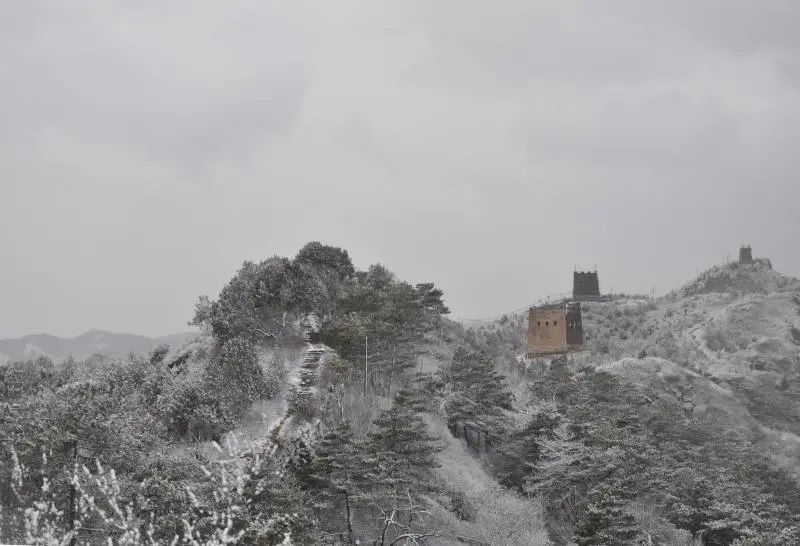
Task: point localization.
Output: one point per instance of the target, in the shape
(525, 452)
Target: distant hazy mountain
(85, 345)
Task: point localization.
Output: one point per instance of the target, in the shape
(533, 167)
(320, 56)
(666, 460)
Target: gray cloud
(148, 148)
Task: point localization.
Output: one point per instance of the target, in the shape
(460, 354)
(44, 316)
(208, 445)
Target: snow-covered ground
(501, 516)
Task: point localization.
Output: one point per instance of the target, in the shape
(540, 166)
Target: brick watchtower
(555, 329)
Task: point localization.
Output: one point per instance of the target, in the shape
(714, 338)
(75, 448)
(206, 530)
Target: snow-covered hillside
(726, 344)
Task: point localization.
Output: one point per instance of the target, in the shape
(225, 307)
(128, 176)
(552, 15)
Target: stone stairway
(308, 372)
(292, 433)
(311, 327)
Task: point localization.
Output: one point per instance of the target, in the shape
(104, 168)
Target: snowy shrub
(237, 378)
(462, 507)
(301, 403)
(718, 339)
(190, 411)
(241, 498)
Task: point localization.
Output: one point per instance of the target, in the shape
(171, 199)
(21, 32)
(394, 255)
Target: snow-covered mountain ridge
(726, 344)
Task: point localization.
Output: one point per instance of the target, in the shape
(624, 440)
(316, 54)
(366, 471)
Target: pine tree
(522, 447)
(237, 376)
(334, 471)
(606, 522)
(399, 456)
(479, 394)
(401, 451)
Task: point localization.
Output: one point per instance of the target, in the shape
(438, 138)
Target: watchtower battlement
(585, 285)
(745, 254)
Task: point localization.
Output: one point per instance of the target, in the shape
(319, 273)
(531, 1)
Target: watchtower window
(547, 323)
(538, 323)
(555, 323)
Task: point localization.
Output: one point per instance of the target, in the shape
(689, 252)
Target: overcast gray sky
(148, 148)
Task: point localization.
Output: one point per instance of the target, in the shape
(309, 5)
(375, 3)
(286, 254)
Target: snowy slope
(501, 516)
(726, 344)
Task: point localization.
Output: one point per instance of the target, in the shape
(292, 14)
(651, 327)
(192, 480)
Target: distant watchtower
(585, 285)
(745, 255)
(555, 329)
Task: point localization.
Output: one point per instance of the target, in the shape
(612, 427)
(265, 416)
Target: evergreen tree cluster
(143, 419)
(599, 453)
(476, 394)
(384, 476)
(386, 321)
(153, 419)
(261, 300)
(605, 448)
